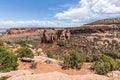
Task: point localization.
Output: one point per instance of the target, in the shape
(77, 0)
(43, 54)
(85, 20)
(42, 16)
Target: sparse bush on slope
(1, 42)
(24, 52)
(73, 60)
(8, 60)
(22, 43)
(114, 54)
(105, 64)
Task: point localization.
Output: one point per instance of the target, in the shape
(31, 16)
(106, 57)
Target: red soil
(44, 68)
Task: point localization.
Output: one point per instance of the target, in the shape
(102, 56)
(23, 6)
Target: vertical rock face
(67, 35)
(45, 38)
(55, 35)
(63, 35)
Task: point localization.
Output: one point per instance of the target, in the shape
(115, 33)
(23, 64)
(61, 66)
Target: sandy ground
(44, 68)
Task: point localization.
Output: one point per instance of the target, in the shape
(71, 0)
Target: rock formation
(62, 35)
(101, 26)
(67, 34)
(46, 37)
(55, 35)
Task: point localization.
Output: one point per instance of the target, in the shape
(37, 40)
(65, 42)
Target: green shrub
(22, 43)
(24, 52)
(8, 42)
(50, 55)
(96, 56)
(1, 42)
(114, 54)
(105, 64)
(89, 58)
(67, 62)
(73, 60)
(8, 60)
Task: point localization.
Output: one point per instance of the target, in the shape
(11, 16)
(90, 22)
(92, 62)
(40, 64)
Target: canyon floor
(53, 71)
(44, 68)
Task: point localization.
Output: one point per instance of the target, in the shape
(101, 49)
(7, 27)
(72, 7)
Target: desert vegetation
(73, 60)
(24, 52)
(8, 60)
(94, 48)
(105, 64)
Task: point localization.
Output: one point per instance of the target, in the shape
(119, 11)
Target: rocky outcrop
(94, 29)
(43, 59)
(45, 38)
(115, 75)
(62, 35)
(55, 35)
(27, 75)
(14, 31)
(26, 59)
(22, 34)
(60, 76)
(15, 74)
(67, 35)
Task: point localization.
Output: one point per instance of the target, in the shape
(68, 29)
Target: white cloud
(90, 10)
(37, 23)
(83, 12)
(31, 23)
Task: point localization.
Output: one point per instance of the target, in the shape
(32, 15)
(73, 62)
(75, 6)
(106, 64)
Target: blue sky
(32, 9)
(55, 13)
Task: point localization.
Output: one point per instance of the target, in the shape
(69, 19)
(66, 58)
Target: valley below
(88, 52)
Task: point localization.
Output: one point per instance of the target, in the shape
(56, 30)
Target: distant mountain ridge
(94, 27)
(106, 22)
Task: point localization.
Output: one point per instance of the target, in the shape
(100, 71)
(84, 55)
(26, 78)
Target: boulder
(24, 59)
(40, 50)
(43, 59)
